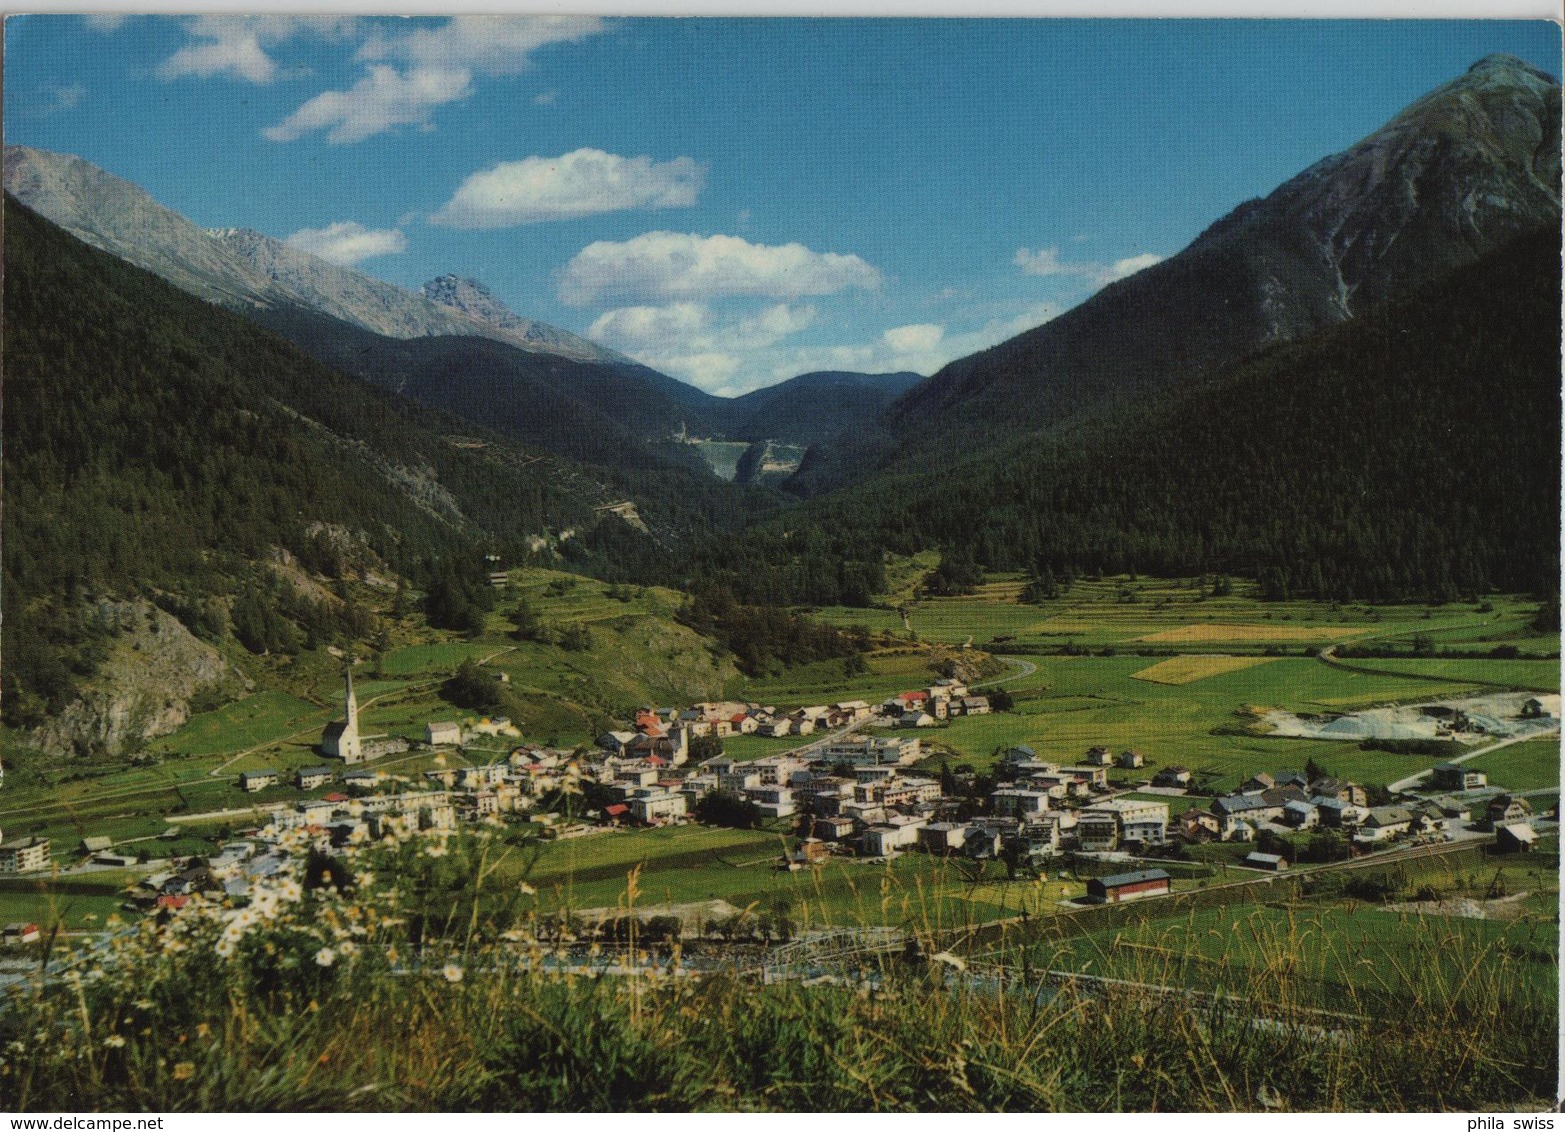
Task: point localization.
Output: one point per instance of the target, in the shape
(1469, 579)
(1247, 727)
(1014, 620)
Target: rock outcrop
(155, 671)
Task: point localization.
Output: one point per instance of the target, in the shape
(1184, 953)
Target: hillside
(1412, 451)
(158, 447)
(1457, 174)
(812, 407)
(605, 416)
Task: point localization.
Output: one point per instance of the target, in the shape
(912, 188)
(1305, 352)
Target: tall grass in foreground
(396, 993)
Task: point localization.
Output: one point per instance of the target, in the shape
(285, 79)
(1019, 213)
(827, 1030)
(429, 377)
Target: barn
(1120, 887)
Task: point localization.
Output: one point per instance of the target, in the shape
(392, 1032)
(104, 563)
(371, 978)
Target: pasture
(1127, 613)
(914, 889)
(1533, 765)
(1189, 669)
(1351, 955)
(1213, 633)
(1073, 703)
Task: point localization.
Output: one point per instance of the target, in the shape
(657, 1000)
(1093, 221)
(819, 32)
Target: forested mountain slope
(158, 446)
(1413, 451)
(1457, 174)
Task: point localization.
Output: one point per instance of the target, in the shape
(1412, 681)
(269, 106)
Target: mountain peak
(472, 298)
(1501, 62)
(1464, 170)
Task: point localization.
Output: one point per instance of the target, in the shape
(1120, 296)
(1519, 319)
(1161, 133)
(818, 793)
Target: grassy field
(255, 720)
(1189, 669)
(912, 890)
(1073, 703)
(1354, 953)
(1532, 675)
(1533, 765)
(890, 671)
(415, 660)
(748, 747)
(1174, 612)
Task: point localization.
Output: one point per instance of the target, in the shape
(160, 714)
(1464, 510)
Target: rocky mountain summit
(473, 299)
(1460, 172)
(247, 270)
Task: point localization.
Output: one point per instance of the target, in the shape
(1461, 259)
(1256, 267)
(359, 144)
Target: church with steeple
(341, 739)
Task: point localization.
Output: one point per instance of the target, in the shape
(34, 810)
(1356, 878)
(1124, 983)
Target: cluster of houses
(1288, 801)
(924, 707)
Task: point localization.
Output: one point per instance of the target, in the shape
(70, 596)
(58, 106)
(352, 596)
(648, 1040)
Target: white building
(1012, 802)
(652, 806)
(1137, 820)
(340, 739)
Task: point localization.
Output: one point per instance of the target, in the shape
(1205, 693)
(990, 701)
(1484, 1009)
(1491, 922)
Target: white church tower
(340, 740)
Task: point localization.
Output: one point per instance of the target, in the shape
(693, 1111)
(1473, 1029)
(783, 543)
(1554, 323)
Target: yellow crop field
(1198, 634)
(1189, 669)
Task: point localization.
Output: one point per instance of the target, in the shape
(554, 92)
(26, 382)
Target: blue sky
(732, 201)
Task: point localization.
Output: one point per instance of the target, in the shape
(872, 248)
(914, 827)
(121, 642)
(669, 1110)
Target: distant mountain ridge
(473, 299)
(241, 268)
(542, 384)
(813, 407)
(1458, 173)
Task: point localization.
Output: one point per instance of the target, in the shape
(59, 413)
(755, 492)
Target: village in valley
(851, 782)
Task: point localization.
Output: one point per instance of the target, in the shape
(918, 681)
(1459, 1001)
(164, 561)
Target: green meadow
(1533, 765)
(1122, 612)
(697, 865)
(1353, 953)
(1073, 703)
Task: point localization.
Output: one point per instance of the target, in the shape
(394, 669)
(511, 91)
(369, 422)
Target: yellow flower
(184, 1070)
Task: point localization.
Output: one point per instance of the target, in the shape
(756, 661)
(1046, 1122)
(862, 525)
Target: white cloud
(1046, 261)
(490, 45)
(347, 242)
(546, 98)
(919, 337)
(674, 265)
(384, 98)
(1133, 264)
(732, 355)
(106, 22)
(237, 46)
(689, 341)
(582, 183)
(437, 66)
(59, 97)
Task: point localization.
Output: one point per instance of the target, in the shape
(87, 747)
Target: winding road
(1024, 668)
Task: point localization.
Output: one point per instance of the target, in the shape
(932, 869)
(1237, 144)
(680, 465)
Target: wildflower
(114, 1041)
(452, 973)
(436, 850)
(325, 957)
(184, 1070)
(527, 889)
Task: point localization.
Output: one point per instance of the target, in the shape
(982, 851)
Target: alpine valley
(872, 697)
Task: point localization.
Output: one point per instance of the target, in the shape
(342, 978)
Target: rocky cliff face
(144, 690)
(1461, 171)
